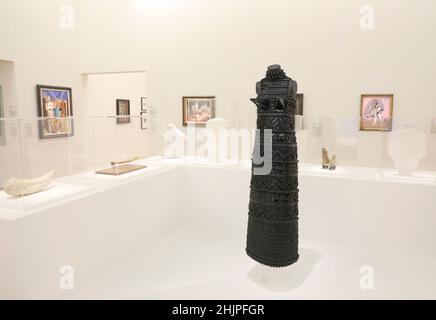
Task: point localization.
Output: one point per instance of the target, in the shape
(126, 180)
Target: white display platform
(63, 188)
(368, 174)
(55, 191)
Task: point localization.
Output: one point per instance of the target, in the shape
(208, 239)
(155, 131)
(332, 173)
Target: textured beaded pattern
(272, 237)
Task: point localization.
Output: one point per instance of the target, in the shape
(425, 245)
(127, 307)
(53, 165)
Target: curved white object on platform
(407, 148)
(18, 187)
(174, 142)
(216, 149)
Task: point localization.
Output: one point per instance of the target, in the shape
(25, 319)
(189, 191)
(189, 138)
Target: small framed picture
(376, 112)
(144, 104)
(198, 110)
(123, 111)
(56, 108)
(300, 104)
(144, 121)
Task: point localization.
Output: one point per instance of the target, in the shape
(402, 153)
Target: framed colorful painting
(376, 112)
(55, 108)
(198, 110)
(123, 111)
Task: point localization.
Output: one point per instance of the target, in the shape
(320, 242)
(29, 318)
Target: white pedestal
(407, 148)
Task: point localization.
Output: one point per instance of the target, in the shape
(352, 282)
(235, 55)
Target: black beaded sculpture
(272, 237)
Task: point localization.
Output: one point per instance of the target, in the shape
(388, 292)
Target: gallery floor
(143, 237)
(214, 268)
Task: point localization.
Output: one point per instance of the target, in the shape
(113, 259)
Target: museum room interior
(217, 149)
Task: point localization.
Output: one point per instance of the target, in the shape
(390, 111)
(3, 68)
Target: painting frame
(144, 120)
(186, 100)
(386, 125)
(143, 104)
(125, 117)
(48, 119)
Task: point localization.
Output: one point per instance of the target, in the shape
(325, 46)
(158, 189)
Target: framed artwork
(198, 110)
(55, 107)
(376, 112)
(300, 104)
(144, 121)
(144, 104)
(123, 111)
(2, 122)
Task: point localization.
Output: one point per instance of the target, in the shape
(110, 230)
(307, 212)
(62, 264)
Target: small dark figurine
(272, 237)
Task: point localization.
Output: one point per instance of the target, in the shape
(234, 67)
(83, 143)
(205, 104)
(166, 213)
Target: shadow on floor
(285, 279)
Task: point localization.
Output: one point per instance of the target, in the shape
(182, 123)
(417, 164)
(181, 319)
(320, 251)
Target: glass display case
(341, 136)
(37, 172)
(101, 151)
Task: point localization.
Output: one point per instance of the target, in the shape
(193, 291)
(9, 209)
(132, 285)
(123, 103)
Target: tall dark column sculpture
(272, 237)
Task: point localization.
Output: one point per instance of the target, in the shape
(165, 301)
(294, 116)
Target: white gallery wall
(116, 141)
(222, 47)
(43, 53)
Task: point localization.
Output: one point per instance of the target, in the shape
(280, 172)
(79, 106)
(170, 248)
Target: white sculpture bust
(174, 142)
(216, 148)
(407, 148)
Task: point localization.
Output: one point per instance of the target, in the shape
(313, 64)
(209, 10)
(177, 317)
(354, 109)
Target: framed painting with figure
(198, 110)
(55, 108)
(123, 111)
(300, 104)
(376, 112)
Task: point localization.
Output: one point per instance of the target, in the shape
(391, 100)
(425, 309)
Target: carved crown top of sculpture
(275, 72)
(276, 90)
